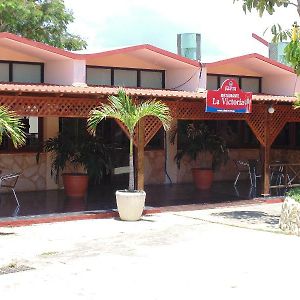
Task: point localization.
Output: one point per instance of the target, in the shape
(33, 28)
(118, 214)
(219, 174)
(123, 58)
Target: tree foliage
(270, 6)
(262, 6)
(292, 50)
(11, 126)
(123, 108)
(40, 20)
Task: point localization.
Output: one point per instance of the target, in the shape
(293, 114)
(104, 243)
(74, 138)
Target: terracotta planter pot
(130, 204)
(203, 178)
(75, 184)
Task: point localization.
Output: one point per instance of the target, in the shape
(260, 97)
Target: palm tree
(123, 108)
(12, 126)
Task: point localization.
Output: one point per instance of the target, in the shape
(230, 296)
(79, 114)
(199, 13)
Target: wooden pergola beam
(266, 127)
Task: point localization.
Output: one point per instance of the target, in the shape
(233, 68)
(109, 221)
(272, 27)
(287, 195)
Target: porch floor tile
(102, 199)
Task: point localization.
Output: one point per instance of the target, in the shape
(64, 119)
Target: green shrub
(294, 193)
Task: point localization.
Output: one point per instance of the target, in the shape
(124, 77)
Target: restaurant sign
(229, 98)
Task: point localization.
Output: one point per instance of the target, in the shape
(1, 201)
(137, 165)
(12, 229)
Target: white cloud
(226, 30)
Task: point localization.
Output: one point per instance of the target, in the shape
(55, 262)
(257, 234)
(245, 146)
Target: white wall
(66, 72)
(186, 79)
(281, 85)
(203, 78)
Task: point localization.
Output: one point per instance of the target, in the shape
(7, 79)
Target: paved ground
(233, 253)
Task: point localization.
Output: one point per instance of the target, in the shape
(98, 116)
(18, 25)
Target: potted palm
(203, 142)
(130, 202)
(85, 156)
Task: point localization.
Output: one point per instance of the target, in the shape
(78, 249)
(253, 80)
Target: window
(125, 77)
(223, 78)
(33, 127)
(26, 73)
(4, 72)
(21, 72)
(98, 76)
(246, 83)
(250, 85)
(212, 82)
(151, 79)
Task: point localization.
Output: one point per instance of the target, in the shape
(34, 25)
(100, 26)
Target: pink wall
(10, 54)
(183, 79)
(232, 69)
(122, 60)
(66, 72)
(282, 85)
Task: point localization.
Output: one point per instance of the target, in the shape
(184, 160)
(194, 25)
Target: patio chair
(277, 173)
(10, 181)
(242, 167)
(255, 170)
(250, 167)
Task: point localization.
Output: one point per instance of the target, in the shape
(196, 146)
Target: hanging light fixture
(271, 109)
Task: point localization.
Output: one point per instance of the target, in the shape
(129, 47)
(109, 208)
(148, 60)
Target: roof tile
(105, 91)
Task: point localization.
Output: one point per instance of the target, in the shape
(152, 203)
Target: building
(51, 88)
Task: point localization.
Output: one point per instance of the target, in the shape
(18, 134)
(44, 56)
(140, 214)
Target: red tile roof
(260, 57)
(105, 91)
(94, 90)
(81, 56)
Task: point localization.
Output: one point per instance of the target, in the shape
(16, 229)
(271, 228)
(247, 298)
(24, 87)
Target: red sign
(229, 98)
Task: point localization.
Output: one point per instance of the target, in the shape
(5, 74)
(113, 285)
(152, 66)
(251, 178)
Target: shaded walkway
(103, 198)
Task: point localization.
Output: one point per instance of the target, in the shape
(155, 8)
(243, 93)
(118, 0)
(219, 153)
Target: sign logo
(229, 98)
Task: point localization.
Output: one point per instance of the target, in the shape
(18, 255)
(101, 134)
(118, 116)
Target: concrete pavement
(228, 253)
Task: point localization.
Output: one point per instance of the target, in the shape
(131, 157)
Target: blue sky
(226, 30)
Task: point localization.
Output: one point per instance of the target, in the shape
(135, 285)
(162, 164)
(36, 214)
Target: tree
(40, 20)
(12, 126)
(270, 6)
(123, 108)
(292, 50)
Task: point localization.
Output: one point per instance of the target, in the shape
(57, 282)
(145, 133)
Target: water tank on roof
(189, 45)
(276, 51)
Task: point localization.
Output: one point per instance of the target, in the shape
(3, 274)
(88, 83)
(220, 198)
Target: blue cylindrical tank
(189, 45)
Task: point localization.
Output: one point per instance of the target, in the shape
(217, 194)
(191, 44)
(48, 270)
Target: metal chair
(255, 170)
(242, 167)
(250, 167)
(277, 173)
(10, 181)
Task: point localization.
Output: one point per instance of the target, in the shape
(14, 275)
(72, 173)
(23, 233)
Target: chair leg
(237, 178)
(251, 180)
(16, 197)
(271, 177)
(289, 180)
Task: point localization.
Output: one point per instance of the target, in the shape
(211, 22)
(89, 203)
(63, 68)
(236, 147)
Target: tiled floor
(103, 198)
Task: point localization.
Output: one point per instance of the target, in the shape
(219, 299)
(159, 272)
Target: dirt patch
(14, 268)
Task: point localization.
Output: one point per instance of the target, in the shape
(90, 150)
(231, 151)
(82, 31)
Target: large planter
(203, 178)
(130, 204)
(75, 184)
(290, 216)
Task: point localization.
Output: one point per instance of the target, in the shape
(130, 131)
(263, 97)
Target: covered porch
(101, 199)
(76, 102)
